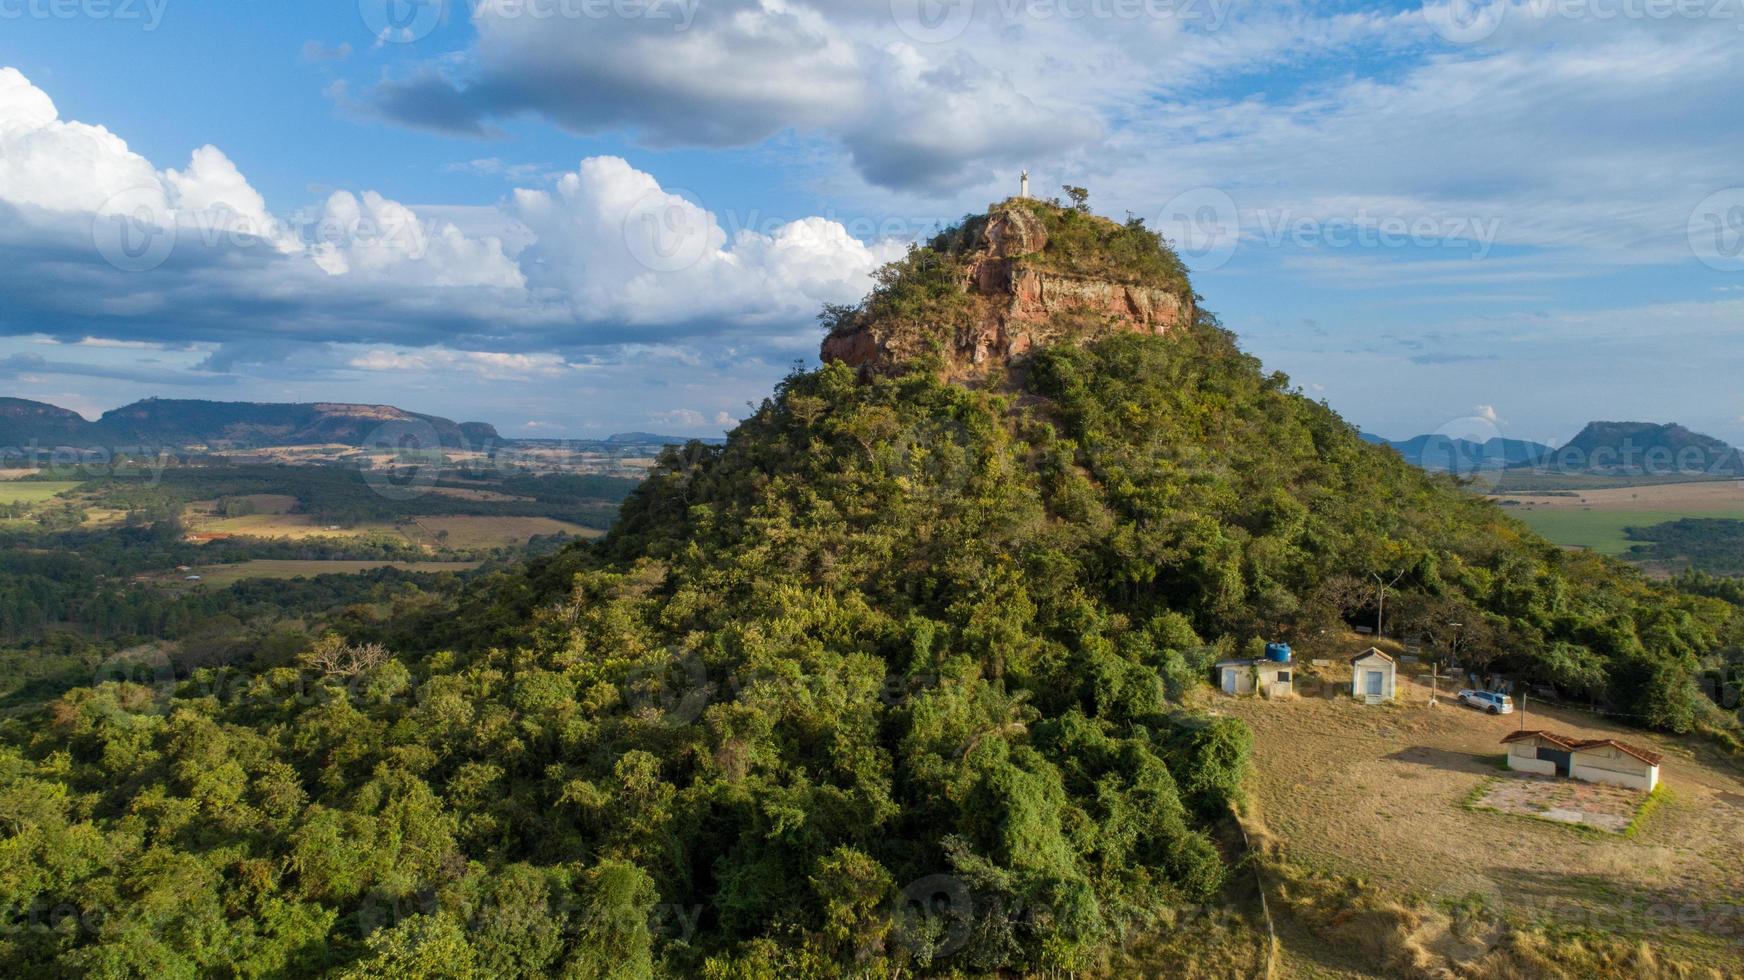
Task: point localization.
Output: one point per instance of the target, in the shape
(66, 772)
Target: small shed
(1270, 678)
(1373, 675)
(1606, 760)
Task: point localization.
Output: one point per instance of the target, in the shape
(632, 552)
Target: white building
(1595, 760)
(1270, 678)
(1373, 674)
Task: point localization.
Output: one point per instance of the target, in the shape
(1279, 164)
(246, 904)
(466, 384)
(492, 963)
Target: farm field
(462, 531)
(219, 576)
(33, 491)
(486, 532)
(1596, 519)
(1379, 793)
(293, 526)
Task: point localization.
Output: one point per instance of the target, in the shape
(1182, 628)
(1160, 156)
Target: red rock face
(1022, 308)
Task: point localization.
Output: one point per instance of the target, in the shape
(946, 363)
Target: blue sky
(573, 217)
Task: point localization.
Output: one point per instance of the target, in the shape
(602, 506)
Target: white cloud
(604, 258)
(490, 365)
(1488, 414)
(688, 418)
(618, 245)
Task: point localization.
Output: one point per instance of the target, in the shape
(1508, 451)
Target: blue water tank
(1278, 652)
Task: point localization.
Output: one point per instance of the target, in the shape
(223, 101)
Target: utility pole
(1381, 609)
(1435, 668)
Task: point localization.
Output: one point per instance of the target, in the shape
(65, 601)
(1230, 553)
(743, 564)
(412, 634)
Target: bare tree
(334, 657)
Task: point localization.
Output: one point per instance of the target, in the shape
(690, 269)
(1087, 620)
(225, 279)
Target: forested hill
(895, 682)
(160, 422)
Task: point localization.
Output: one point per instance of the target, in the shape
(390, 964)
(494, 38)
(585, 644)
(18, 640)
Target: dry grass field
(1380, 794)
(274, 526)
(487, 532)
(1723, 496)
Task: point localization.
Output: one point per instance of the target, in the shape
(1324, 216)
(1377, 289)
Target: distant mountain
(1646, 449)
(227, 425)
(1440, 453)
(647, 439)
(23, 422)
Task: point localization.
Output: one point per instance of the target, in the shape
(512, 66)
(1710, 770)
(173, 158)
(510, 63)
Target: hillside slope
(891, 683)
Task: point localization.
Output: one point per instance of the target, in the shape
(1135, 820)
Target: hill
(897, 681)
(1646, 449)
(1450, 454)
(157, 422)
(23, 422)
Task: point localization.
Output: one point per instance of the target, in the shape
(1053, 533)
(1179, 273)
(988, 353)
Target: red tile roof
(1560, 741)
(1576, 744)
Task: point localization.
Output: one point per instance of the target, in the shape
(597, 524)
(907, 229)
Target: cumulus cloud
(913, 114)
(605, 257)
(616, 244)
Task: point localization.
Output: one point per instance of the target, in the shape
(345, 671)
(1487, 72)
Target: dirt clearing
(1380, 793)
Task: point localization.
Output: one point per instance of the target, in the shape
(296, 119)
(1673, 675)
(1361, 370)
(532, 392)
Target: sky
(576, 217)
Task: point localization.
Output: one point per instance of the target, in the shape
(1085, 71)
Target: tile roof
(1576, 744)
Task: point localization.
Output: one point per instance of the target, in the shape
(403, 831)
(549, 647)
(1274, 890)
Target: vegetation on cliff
(891, 683)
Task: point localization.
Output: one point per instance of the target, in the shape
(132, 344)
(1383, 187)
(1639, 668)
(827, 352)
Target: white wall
(1607, 765)
(1359, 678)
(1524, 757)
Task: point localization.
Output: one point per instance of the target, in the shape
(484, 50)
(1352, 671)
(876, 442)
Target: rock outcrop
(1020, 300)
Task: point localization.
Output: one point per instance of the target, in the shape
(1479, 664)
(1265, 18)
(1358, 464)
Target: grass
(1599, 530)
(34, 492)
(1654, 799)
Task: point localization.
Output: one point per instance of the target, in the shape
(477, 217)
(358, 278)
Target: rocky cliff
(1029, 274)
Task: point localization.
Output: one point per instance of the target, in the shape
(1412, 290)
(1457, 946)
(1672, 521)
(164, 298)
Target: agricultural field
(1383, 794)
(34, 491)
(219, 576)
(1597, 519)
(469, 532)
